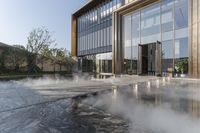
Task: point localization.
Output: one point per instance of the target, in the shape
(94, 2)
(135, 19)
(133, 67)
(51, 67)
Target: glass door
(150, 59)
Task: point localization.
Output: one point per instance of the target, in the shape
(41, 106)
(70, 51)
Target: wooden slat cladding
(74, 38)
(194, 43)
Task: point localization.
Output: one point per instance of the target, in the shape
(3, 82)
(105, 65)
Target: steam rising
(143, 116)
(148, 117)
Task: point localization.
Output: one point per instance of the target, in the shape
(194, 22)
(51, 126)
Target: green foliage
(40, 48)
(181, 65)
(39, 41)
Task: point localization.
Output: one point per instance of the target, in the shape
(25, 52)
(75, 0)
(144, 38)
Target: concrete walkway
(17, 94)
(25, 100)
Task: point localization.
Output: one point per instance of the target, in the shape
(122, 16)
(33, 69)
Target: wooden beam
(74, 37)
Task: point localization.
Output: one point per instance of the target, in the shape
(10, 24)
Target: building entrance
(150, 58)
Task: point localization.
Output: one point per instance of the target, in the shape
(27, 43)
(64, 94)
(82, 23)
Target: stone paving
(44, 105)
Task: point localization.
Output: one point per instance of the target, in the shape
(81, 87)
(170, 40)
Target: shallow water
(60, 117)
(44, 105)
(158, 106)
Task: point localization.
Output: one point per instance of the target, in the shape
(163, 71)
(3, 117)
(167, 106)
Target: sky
(19, 17)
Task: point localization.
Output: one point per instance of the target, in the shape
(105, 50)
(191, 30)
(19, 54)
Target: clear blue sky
(19, 17)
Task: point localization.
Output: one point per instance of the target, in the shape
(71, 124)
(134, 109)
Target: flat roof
(89, 5)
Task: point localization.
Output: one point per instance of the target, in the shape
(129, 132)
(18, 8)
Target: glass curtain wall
(135, 40)
(166, 22)
(167, 36)
(94, 29)
(94, 36)
(131, 41)
(104, 63)
(127, 44)
(181, 36)
(150, 24)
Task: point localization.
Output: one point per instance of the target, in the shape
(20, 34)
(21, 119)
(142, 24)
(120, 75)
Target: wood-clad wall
(73, 36)
(194, 64)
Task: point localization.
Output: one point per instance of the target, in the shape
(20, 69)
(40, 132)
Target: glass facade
(165, 22)
(99, 63)
(132, 39)
(94, 29)
(160, 26)
(94, 36)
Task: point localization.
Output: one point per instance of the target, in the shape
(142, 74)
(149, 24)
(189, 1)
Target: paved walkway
(25, 100)
(17, 94)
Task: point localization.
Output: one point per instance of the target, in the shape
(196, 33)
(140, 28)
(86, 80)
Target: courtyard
(84, 104)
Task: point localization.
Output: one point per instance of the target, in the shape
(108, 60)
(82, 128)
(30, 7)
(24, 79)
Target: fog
(61, 81)
(150, 117)
(172, 114)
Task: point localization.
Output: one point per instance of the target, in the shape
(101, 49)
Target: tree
(2, 62)
(21, 47)
(70, 62)
(63, 58)
(38, 40)
(60, 57)
(46, 54)
(181, 65)
(15, 57)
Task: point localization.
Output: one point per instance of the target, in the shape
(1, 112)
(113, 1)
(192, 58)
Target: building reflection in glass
(166, 22)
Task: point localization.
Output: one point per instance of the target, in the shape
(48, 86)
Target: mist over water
(75, 80)
(169, 107)
(156, 106)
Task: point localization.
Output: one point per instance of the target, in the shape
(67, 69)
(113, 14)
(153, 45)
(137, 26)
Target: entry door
(145, 59)
(142, 63)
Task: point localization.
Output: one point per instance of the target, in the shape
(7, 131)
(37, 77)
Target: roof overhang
(89, 5)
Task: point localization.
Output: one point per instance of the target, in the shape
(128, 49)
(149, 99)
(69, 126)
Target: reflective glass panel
(150, 24)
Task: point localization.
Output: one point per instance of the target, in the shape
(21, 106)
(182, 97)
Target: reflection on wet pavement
(60, 117)
(160, 106)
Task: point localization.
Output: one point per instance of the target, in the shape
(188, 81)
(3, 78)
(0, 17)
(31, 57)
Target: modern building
(152, 37)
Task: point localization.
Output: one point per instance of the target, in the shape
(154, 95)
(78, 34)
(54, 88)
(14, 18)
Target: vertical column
(194, 43)
(74, 35)
(198, 34)
(117, 47)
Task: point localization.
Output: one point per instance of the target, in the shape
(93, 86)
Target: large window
(135, 40)
(104, 63)
(181, 14)
(167, 15)
(181, 36)
(127, 44)
(166, 22)
(167, 19)
(150, 24)
(94, 28)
